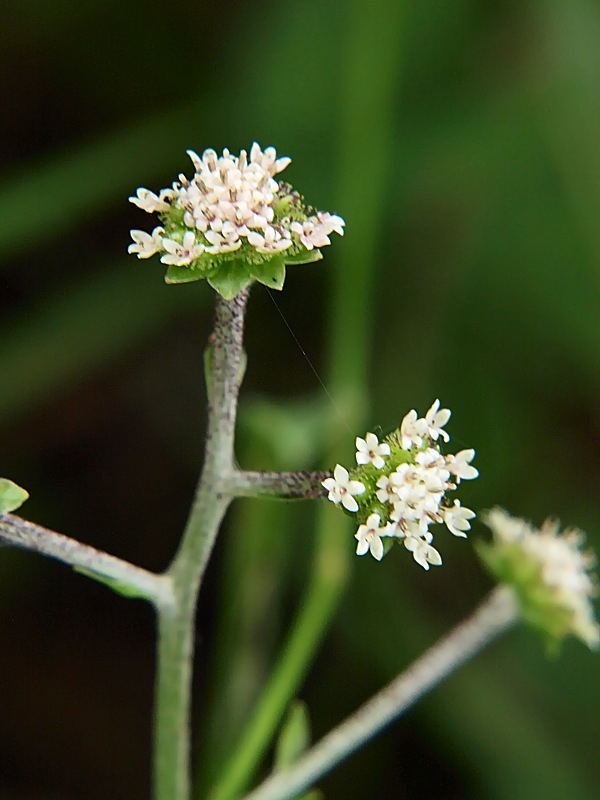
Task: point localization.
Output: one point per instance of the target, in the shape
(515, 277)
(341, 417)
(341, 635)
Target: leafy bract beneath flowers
(232, 223)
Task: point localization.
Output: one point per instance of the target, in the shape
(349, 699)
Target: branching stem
(176, 621)
(18, 532)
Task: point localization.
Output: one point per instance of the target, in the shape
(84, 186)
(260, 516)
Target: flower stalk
(494, 616)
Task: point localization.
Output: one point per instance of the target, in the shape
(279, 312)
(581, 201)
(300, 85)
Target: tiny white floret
(342, 490)
(181, 254)
(150, 202)
(460, 465)
(457, 519)
(408, 431)
(369, 537)
(146, 244)
(369, 450)
(424, 554)
(436, 418)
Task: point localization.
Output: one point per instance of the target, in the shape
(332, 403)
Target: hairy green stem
(18, 532)
(496, 614)
(176, 620)
(285, 485)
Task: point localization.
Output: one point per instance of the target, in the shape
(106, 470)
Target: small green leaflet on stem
(12, 496)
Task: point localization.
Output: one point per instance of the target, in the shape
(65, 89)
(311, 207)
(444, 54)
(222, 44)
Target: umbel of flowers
(233, 222)
(549, 573)
(400, 487)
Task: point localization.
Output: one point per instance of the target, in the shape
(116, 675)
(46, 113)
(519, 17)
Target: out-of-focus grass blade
(568, 112)
(83, 328)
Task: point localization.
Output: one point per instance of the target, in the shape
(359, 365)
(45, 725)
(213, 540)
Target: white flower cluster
(231, 202)
(403, 484)
(551, 571)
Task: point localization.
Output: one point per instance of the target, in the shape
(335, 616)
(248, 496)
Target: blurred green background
(461, 143)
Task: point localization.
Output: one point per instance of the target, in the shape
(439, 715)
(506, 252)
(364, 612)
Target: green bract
(11, 496)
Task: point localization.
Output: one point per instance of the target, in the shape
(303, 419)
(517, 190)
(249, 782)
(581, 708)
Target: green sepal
(388, 543)
(182, 275)
(305, 257)
(11, 496)
(271, 273)
(294, 736)
(120, 587)
(230, 279)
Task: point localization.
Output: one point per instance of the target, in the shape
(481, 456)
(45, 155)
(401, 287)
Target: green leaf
(182, 275)
(120, 587)
(230, 279)
(306, 257)
(271, 273)
(294, 737)
(11, 496)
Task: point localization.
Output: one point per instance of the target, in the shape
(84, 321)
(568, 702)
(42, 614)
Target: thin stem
(176, 620)
(286, 485)
(18, 532)
(495, 615)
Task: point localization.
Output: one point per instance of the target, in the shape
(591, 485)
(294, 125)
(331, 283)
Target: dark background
(461, 142)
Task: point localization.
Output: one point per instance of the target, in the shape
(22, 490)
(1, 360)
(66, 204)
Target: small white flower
(412, 430)
(341, 489)
(436, 418)
(268, 159)
(460, 466)
(304, 231)
(369, 450)
(505, 527)
(314, 231)
(181, 254)
(220, 243)
(269, 242)
(457, 519)
(146, 244)
(330, 222)
(424, 554)
(386, 492)
(369, 537)
(150, 202)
